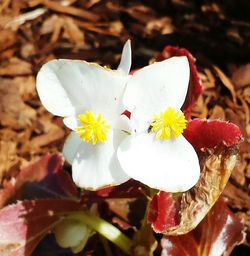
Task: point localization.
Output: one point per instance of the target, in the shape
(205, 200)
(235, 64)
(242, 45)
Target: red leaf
(218, 233)
(6, 192)
(44, 178)
(163, 212)
(194, 87)
(24, 224)
(104, 192)
(209, 134)
(129, 189)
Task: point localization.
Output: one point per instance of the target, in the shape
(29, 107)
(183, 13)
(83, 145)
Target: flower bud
(72, 233)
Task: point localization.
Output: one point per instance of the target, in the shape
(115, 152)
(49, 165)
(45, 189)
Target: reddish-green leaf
(218, 233)
(24, 224)
(44, 178)
(209, 134)
(163, 211)
(129, 189)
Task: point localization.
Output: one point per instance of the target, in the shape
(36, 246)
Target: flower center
(93, 128)
(170, 123)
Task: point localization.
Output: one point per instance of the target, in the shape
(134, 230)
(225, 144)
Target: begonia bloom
(157, 154)
(89, 97)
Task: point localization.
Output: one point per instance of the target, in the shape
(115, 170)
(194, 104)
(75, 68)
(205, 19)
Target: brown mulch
(35, 31)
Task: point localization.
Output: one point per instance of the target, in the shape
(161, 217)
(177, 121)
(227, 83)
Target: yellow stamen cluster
(93, 129)
(170, 123)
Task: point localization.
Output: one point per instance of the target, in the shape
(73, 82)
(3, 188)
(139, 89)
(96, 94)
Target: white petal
(70, 147)
(72, 122)
(97, 166)
(70, 87)
(171, 165)
(124, 124)
(156, 87)
(125, 62)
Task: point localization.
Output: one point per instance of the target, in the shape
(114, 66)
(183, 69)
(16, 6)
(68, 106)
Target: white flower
(157, 154)
(89, 97)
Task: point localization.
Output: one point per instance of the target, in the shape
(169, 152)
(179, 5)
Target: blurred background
(33, 32)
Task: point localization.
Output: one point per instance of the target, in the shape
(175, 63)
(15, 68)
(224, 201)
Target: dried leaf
(24, 224)
(218, 233)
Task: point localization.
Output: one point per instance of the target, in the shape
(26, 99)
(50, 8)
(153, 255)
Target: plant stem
(106, 229)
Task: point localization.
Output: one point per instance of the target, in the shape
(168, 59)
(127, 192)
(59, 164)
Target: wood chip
(218, 113)
(73, 32)
(15, 67)
(7, 39)
(238, 198)
(13, 111)
(163, 26)
(87, 15)
(15, 22)
(226, 81)
(8, 156)
(54, 134)
(241, 77)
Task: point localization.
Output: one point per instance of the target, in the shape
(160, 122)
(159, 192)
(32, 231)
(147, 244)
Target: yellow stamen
(170, 123)
(93, 128)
